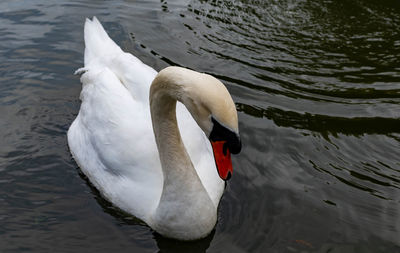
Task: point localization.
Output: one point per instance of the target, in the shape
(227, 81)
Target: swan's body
(177, 190)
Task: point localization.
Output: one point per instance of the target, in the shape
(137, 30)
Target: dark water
(317, 86)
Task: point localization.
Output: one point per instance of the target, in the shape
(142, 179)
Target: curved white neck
(184, 202)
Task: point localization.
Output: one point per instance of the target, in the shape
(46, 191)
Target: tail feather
(97, 42)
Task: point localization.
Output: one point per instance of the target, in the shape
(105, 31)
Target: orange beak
(223, 160)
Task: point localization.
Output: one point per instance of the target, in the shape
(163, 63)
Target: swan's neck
(178, 169)
(184, 202)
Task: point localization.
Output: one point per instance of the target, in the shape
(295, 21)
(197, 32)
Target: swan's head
(212, 107)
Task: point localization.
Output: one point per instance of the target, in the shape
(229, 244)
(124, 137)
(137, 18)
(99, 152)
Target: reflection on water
(317, 87)
(171, 246)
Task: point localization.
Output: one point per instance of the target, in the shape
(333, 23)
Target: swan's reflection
(174, 246)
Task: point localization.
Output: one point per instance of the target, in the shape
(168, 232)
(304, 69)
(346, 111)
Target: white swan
(132, 150)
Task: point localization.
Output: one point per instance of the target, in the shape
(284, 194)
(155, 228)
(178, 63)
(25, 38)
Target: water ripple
(317, 88)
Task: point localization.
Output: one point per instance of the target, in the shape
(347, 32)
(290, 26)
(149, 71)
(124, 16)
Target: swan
(162, 161)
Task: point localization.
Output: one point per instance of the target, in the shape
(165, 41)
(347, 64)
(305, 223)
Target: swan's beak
(222, 158)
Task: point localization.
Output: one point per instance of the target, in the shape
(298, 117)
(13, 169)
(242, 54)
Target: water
(317, 87)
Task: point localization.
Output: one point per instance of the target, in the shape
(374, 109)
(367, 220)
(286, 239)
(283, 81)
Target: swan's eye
(222, 133)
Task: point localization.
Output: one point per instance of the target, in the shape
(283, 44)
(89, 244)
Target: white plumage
(113, 142)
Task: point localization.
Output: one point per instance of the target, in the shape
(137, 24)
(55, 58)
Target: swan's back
(111, 138)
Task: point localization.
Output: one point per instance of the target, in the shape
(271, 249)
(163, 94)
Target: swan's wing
(113, 142)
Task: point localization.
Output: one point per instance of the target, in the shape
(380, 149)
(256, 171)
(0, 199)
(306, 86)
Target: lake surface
(317, 88)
